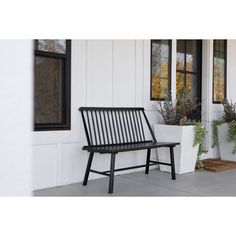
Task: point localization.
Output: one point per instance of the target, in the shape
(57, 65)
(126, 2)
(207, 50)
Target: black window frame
(225, 72)
(169, 67)
(66, 93)
(198, 74)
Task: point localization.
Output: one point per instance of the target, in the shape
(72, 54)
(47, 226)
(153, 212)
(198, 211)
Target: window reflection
(48, 90)
(187, 64)
(56, 45)
(180, 64)
(52, 76)
(160, 57)
(179, 83)
(191, 55)
(219, 70)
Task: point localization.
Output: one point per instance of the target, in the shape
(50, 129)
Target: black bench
(114, 130)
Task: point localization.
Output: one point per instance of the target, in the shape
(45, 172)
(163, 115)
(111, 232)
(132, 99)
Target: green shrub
(229, 113)
(229, 116)
(215, 125)
(232, 134)
(200, 134)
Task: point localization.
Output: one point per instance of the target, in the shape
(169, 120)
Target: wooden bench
(114, 130)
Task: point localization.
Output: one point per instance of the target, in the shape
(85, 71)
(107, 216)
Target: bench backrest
(113, 125)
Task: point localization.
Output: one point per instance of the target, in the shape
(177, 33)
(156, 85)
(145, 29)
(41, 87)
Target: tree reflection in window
(160, 68)
(219, 71)
(188, 71)
(48, 45)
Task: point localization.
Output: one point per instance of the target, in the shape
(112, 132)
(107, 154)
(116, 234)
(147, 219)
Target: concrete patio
(157, 183)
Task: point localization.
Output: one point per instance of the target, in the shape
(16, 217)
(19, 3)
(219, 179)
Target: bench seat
(128, 147)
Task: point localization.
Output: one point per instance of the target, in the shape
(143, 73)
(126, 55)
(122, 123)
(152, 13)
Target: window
(219, 70)
(160, 68)
(188, 68)
(52, 84)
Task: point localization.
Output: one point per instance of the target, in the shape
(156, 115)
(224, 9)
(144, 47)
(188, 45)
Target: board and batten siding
(104, 73)
(115, 73)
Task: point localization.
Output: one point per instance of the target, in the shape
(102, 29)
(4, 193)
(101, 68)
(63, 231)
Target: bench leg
(112, 171)
(172, 161)
(88, 168)
(148, 161)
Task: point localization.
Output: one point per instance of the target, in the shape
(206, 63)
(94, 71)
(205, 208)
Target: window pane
(191, 55)
(191, 85)
(159, 87)
(222, 46)
(48, 90)
(188, 68)
(180, 83)
(219, 71)
(218, 79)
(57, 45)
(180, 62)
(160, 68)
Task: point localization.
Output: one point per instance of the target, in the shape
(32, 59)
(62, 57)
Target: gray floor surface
(157, 183)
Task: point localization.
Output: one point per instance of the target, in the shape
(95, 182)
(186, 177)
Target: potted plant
(180, 126)
(224, 132)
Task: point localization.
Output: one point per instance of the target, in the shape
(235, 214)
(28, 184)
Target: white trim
(173, 68)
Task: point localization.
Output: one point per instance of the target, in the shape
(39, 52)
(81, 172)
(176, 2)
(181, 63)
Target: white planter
(185, 153)
(226, 147)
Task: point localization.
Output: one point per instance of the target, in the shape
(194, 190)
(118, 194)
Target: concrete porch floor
(157, 183)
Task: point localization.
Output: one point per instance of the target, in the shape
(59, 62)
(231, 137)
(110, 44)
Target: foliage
(183, 111)
(232, 134)
(160, 85)
(187, 107)
(200, 165)
(167, 109)
(156, 86)
(215, 125)
(229, 111)
(229, 116)
(200, 134)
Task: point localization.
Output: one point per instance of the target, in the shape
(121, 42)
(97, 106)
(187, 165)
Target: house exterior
(103, 73)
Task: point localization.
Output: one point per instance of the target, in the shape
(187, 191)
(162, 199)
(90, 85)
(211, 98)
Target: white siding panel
(139, 73)
(146, 76)
(44, 166)
(73, 162)
(99, 73)
(124, 73)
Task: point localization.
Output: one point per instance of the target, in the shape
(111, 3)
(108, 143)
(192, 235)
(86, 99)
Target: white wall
(214, 111)
(104, 73)
(231, 69)
(114, 73)
(16, 57)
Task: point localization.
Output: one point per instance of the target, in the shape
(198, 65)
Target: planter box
(185, 153)
(226, 147)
